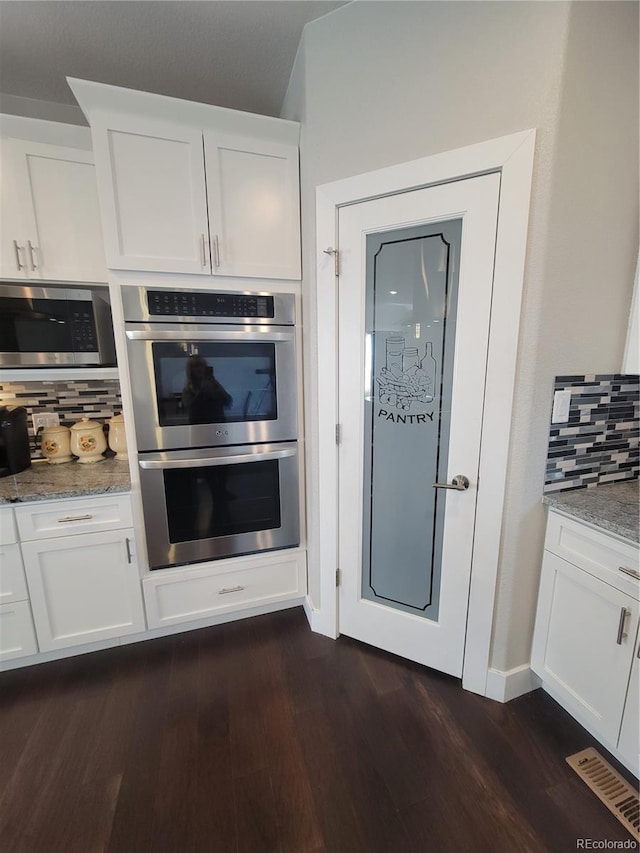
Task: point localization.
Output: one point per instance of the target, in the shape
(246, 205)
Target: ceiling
(233, 53)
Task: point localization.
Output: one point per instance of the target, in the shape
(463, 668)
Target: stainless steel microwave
(54, 327)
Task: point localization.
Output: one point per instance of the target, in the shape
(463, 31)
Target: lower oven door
(222, 502)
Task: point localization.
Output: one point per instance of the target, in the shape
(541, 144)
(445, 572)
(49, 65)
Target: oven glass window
(222, 500)
(212, 383)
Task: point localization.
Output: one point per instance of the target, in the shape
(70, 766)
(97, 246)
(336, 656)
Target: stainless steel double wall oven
(213, 377)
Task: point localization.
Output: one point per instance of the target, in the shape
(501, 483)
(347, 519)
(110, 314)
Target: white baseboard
(505, 686)
(316, 621)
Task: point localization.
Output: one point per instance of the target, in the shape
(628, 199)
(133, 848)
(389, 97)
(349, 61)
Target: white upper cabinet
(51, 227)
(152, 188)
(254, 213)
(194, 188)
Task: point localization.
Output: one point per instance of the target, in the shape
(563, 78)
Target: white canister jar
(55, 444)
(87, 440)
(118, 437)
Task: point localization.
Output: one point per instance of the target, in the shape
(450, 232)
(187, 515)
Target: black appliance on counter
(14, 440)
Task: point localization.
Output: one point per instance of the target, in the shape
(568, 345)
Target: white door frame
(512, 156)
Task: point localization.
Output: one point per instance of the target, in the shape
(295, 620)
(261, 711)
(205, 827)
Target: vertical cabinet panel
(54, 213)
(152, 190)
(83, 588)
(629, 743)
(253, 199)
(17, 637)
(13, 586)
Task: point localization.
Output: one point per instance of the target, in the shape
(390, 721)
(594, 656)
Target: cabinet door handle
(17, 249)
(623, 616)
(216, 250)
(127, 542)
(633, 573)
(203, 251)
(228, 589)
(32, 253)
(74, 518)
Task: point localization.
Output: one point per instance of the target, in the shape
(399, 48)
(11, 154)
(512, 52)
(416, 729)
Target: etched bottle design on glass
(390, 379)
(427, 374)
(405, 379)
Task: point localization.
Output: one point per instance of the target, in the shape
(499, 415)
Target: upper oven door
(202, 386)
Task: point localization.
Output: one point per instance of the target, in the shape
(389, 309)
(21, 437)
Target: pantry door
(415, 286)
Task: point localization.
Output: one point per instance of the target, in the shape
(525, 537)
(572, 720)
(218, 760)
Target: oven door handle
(192, 336)
(153, 463)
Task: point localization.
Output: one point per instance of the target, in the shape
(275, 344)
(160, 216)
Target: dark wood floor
(261, 736)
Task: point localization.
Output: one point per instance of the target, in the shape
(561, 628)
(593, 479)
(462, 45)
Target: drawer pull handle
(633, 573)
(623, 616)
(74, 518)
(228, 589)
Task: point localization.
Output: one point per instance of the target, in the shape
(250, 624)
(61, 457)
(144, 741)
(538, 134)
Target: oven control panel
(226, 306)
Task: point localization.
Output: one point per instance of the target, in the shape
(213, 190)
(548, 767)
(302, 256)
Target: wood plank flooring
(261, 737)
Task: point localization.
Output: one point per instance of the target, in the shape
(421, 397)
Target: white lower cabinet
(83, 588)
(174, 596)
(82, 575)
(586, 631)
(17, 635)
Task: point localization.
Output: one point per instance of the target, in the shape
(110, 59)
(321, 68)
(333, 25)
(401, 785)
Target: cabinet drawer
(185, 595)
(8, 532)
(594, 551)
(17, 636)
(68, 517)
(13, 586)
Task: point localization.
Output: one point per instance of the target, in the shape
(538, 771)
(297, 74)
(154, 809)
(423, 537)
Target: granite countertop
(613, 507)
(44, 482)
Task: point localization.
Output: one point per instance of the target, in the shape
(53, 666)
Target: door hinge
(338, 577)
(338, 433)
(336, 259)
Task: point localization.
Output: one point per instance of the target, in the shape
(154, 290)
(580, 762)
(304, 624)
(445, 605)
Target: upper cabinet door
(254, 208)
(56, 200)
(152, 193)
(13, 228)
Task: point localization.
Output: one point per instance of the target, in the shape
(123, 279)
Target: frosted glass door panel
(411, 300)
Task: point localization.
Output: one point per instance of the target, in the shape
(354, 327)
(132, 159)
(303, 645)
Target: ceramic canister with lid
(56, 444)
(87, 440)
(118, 437)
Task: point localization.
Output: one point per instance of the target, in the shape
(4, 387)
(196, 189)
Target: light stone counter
(43, 482)
(614, 507)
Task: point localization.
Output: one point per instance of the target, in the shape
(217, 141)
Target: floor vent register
(615, 792)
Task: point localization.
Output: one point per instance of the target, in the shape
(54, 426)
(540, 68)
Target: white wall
(378, 83)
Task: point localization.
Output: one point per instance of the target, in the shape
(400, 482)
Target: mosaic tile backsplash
(98, 399)
(599, 443)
